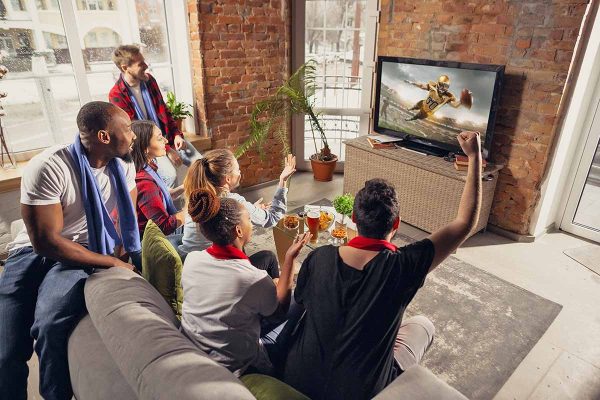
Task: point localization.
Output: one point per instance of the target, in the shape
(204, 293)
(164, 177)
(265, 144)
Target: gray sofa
(129, 347)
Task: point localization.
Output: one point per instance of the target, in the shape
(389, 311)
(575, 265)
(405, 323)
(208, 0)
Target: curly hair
(95, 116)
(376, 209)
(217, 217)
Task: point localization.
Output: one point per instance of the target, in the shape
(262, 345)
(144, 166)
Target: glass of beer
(312, 221)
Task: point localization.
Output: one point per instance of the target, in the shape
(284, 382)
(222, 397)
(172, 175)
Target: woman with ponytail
(226, 295)
(155, 199)
(219, 173)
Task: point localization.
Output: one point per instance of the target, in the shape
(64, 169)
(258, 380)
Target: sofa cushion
(265, 387)
(94, 374)
(418, 383)
(162, 266)
(140, 332)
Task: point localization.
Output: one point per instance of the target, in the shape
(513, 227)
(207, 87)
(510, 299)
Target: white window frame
(178, 46)
(579, 175)
(371, 22)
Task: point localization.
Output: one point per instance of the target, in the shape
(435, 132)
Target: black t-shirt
(344, 347)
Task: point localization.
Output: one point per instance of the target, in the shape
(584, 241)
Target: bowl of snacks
(325, 220)
(291, 221)
(338, 235)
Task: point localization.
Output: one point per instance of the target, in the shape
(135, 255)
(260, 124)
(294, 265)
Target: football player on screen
(439, 95)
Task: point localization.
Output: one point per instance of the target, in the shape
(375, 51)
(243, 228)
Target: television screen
(430, 102)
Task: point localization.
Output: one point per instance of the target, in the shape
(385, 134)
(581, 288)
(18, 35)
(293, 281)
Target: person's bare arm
(447, 239)
(284, 285)
(44, 225)
(424, 86)
(454, 102)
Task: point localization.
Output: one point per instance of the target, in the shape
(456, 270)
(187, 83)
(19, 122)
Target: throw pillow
(265, 387)
(162, 266)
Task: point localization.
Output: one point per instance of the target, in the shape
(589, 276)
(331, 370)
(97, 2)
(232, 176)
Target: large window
(18, 5)
(59, 58)
(340, 36)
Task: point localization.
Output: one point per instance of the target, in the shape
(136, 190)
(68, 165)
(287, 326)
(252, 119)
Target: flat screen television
(427, 103)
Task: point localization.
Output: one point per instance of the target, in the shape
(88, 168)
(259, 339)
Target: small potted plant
(179, 110)
(295, 96)
(344, 204)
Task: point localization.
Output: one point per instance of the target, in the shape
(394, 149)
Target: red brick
(523, 43)
(488, 28)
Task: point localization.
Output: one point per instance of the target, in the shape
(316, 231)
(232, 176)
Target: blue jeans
(277, 341)
(40, 299)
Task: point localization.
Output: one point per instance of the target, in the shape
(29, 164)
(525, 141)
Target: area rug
(588, 256)
(485, 326)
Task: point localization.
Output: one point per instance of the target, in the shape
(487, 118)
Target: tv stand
(429, 188)
(421, 148)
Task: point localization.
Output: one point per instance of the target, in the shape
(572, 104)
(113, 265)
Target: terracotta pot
(179, 124)
(323, 170)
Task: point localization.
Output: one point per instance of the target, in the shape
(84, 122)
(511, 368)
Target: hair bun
(203, 205)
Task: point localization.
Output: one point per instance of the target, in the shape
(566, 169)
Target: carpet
(588, 256)
(485, 326)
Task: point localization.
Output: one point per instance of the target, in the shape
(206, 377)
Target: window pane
(337, 129)
(338, 48)
(143, 24)
(587, 214)
(42, 97)
(335, 40)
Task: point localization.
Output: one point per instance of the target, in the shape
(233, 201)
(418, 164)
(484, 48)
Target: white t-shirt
(137, 92)
(52, 177)
(222, 304)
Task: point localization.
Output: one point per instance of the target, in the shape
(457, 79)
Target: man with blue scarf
(138, 94)
(77, 204)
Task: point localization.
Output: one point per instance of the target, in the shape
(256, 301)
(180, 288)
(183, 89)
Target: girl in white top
(219, 173)
(224, 295)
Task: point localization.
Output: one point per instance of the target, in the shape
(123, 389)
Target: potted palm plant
(179, 110)
(295, 96)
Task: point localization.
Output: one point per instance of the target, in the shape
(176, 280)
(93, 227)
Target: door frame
(581, 169)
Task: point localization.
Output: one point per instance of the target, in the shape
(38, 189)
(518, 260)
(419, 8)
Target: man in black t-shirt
(352, 342)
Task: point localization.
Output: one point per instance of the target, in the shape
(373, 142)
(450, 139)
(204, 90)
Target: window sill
(10, 179)
(201, 143)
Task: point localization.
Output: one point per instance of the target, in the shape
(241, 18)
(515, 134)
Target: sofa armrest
(139, 331)
(16, 227)
(418, 383)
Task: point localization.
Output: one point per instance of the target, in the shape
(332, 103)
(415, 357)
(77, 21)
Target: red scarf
(228, 252)
(365, 243)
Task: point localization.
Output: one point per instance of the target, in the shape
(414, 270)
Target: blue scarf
(167, 200)
(147, 102)
(102, 234)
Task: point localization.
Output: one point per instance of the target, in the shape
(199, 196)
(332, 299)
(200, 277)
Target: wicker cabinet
(429, 188)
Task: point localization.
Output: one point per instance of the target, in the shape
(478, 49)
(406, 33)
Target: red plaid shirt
(119, 96)
(150, 205)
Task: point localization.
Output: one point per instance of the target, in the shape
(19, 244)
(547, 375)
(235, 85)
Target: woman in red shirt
(154, 198)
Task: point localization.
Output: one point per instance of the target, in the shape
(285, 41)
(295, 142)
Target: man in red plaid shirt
(138, 94)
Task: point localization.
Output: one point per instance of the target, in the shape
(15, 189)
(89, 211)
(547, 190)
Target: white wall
(10, 210)
(557, 184)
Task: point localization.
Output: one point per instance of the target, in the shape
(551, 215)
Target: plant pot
(179, 124)
(323, 170)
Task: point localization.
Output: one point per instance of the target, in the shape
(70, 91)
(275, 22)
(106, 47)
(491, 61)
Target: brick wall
(535, 40)
(240, 55)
